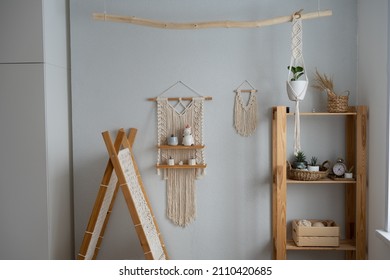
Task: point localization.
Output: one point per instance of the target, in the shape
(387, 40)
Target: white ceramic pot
(173, 141)
(348, 175)
(188, 140)
(313, 168)
(296, 90)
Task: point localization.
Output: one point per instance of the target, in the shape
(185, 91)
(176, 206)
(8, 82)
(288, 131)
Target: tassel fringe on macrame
(245, 116)
(181, 201)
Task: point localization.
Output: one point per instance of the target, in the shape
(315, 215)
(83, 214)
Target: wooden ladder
(105, 199)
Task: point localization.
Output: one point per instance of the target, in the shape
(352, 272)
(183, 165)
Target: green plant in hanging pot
(297, 72)
(296, 87)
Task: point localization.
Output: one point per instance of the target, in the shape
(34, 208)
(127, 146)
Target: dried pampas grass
(324, 83)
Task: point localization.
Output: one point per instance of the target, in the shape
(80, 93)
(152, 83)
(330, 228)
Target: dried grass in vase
(324, 83)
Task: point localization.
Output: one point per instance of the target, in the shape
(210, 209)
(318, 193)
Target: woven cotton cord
(198, 134)
(245, 116)
(141, 206)
(101, 217)
(296, 46)
(161, 126)
(297, 59)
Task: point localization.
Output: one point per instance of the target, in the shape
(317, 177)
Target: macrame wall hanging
(297, 81)
(182, 160)
(245, 113)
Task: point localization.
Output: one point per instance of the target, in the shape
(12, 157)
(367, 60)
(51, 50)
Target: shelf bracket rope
(210, 24)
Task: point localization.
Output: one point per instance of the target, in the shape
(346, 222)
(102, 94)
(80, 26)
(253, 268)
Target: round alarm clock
(339, 167)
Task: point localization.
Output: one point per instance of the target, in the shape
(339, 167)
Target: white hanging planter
(296, 90)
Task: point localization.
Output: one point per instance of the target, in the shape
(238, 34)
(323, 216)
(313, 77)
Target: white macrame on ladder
(296, 92)
(141, 206)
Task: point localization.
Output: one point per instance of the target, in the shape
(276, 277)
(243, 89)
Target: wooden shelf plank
(345, 245)
(322, 181)
(184, 166)
(181, 147)
(322, 114)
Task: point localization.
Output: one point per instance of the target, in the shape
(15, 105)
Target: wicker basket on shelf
(338, 103)
(305, 175)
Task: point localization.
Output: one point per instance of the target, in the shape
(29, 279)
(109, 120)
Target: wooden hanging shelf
(247, 90)
(180, 147)
(177, 166)
(210, 24)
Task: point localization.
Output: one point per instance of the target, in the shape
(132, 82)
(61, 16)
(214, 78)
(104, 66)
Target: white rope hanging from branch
(296, 89)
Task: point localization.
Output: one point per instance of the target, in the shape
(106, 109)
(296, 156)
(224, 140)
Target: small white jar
(348, 175)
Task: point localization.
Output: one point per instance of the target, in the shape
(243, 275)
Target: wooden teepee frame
(99, 217)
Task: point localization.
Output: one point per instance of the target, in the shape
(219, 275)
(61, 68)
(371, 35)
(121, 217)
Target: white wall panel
(21, 31)
(23, 192)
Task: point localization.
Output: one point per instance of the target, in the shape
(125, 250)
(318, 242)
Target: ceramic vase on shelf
(188, 139)
(172, 140)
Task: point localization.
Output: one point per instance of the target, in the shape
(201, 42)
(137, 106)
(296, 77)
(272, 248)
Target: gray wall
(234, 199)
(35, 177)
(116, 67)
(373, 78)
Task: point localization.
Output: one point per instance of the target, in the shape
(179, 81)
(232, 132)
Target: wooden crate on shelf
(316, 236)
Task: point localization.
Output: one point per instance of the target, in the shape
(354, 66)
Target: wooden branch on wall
(210, 24)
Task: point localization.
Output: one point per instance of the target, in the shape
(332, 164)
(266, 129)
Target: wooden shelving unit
(355, 190)
(180, 147)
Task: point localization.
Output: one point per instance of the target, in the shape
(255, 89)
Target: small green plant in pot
(297, 72)
(300, 161)
(296, 87)
(313, 166)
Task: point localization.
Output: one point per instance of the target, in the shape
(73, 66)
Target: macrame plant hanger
(180, 177)
(296, 89)
(245, 115)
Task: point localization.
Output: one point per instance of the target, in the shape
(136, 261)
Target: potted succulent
(349, 174)
(313, 166)
(296, 88)
(300, 160)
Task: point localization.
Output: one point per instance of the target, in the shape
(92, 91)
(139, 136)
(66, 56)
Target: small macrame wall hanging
(180, 155)
(245, 113)
(297, 81)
